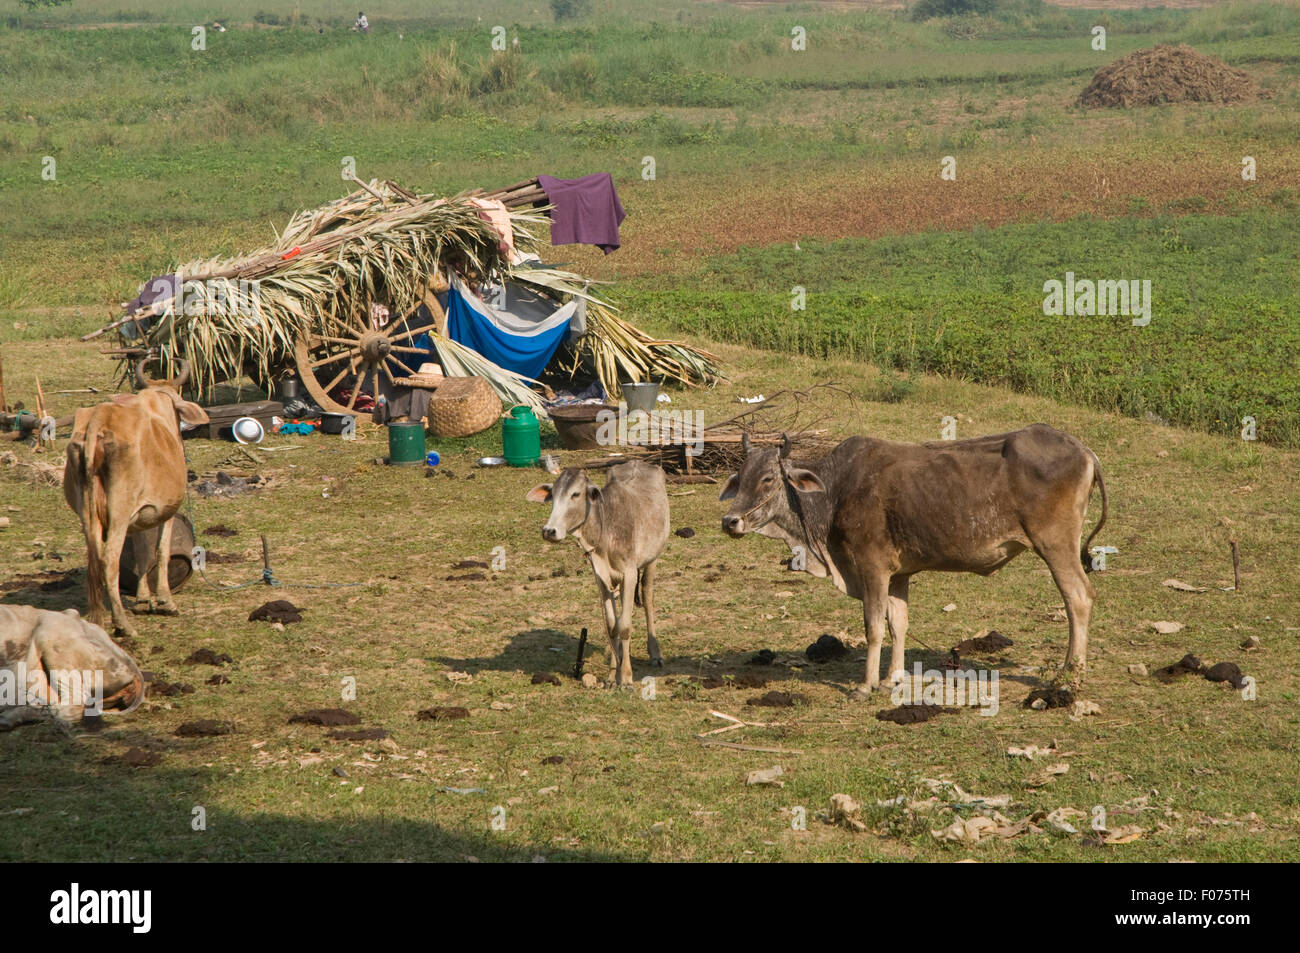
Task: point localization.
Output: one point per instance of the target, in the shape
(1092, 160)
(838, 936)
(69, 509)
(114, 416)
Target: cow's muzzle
(551, 534)
(733, 525)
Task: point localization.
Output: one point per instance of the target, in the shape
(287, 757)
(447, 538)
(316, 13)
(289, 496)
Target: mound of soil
(1052, 697)
(912, 714)
(827, 648)
(778, 700)
(442, 713)
(364, 734)
(206, 728)
(1167, 74)
(277, 610)
(995, 641)
(1187, 665)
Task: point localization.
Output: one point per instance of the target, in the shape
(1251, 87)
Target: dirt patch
(1167, 74)
(219, 679)
(470, 564)
(220, 530)
(911, 714)
(277, 610)
(685, 532)
(138, 758)
(325, 716)
(733, 681)
(364, 734)
(546, 678)
(778, 700)
(206, 728)
(554, 759)
(47, 580)
(763, 657)
(468, 577)
(206, 656)
(442, 713)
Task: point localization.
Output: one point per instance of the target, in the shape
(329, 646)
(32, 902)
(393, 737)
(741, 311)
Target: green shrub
(570, 9)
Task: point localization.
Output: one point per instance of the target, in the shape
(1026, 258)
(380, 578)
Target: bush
(570, 9)
(930, 9)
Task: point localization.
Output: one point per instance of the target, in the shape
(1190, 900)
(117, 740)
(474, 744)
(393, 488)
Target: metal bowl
(248, 430)
(491, 461)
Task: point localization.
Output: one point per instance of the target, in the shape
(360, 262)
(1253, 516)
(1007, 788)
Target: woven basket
(462, 406)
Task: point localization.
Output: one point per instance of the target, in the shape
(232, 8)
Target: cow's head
(571, 497)
(763, 490)
(165, 402)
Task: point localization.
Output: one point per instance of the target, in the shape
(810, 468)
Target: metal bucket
(179, 566)
(642, 396)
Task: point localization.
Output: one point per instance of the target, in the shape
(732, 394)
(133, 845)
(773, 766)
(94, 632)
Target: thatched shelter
(348, 293)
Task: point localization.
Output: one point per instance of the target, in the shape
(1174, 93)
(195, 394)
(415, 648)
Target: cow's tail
(1099, 481)
(94, 519)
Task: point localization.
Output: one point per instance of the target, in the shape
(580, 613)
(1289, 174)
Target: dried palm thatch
(381, 243)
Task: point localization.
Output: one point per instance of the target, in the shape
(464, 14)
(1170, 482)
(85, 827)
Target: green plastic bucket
(406, 443)
(521, 438)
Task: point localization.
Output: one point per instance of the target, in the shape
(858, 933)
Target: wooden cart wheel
(357, 353)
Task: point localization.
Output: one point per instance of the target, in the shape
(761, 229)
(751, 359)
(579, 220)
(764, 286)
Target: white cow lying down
(58, 664)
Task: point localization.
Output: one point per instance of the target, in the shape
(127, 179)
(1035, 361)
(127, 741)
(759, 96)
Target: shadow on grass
(547, 651)
(66, 805)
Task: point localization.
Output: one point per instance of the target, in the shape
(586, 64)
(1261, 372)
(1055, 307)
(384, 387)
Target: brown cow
(873, 513)
(126, 473)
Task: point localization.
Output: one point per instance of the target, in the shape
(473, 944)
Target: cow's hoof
(657, 663)
(165, 608)
(124, 632)
(861, 692)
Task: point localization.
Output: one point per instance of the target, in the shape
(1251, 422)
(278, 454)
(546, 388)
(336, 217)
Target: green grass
(970, 305)
(270, 791)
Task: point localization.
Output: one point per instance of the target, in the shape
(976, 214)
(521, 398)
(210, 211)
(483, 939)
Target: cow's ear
(805, 481)
(593, 492)
(539, 494)
(190, 412)
(730, 487)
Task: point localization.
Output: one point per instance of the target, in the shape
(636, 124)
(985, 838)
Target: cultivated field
(923, 301)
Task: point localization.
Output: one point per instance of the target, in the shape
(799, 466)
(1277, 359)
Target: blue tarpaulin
(520, 344)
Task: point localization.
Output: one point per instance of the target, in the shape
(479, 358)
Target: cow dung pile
(1167, 74)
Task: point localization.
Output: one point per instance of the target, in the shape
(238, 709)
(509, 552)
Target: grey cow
(61, 664)
(873, 513)
(623, 528)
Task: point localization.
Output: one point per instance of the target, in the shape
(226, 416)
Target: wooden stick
(353, 176)
(582, 648)
(714, 743)
(1236, 566)
(4, 407)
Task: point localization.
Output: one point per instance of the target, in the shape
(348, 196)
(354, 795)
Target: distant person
(362, 23)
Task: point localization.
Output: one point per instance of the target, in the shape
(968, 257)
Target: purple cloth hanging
(587, 210)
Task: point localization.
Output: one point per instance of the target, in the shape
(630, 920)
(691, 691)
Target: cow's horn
(785, 445)
(744, 443)
(183, 377)
(141, 380)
